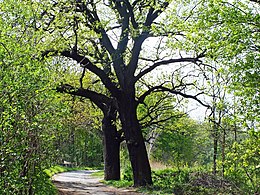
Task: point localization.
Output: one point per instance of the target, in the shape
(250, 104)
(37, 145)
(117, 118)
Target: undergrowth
(187, 182)
(181, 182)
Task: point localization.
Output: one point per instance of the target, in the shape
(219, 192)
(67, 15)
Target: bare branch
(82, 76)
(157, 122)
(9, 53)
(146, 93)
(161, 88)
(167, 62)
(194, 97)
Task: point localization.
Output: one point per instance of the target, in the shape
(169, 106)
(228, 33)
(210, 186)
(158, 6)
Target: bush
(188, 181)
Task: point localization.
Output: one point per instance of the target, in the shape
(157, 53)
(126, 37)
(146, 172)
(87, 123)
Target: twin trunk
(134, 140)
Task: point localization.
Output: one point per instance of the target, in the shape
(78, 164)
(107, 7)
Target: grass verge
(182, 182)
(119, 184)
(98, 174)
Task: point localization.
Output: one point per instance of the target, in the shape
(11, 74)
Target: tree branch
(153, 14)
(93, 19)
(81, 78)
(99, 99)
(131, 12)
(136, 52)
(256, 1)
(157, 122)
(161, 88)
(166, 62)
(122, 10)
(86, 63)
(117, 56)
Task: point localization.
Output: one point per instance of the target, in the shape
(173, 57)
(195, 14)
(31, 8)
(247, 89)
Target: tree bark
(111, 141)
(134, 140)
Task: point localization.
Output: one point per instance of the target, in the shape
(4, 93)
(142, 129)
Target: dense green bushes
(188, 181)
(30, 110)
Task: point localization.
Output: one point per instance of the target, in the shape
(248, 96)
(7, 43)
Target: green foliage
(243, 163)
(184, 142)
(98, 174)
(188, 181)
(120, 183)
(127, 173)
(170, 181)
(229, 33)
(125, 166)
(30, 113)
(81, 141)
(55, 169)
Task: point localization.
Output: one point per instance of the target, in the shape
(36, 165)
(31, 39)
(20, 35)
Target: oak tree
(108, 39)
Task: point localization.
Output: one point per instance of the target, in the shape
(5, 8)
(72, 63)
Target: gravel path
(81, 183)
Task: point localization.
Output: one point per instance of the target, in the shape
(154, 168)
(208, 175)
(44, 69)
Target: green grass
(98, 174)
(188, 181)
(55, 169)
(59, 169)
(115, 183)
(120, 183)
(184, 181)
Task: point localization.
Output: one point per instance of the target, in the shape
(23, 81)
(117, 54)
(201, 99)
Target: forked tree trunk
(135, 141)
(111, 151)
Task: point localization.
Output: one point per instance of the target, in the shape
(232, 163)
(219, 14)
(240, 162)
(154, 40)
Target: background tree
(81, 140)
(181, 143)
(229, 31)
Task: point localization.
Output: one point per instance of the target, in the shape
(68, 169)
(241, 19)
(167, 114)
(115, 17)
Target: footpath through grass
(48, 173)
(185, 181)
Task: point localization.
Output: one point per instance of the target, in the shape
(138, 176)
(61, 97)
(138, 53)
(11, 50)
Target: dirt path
(81, 183)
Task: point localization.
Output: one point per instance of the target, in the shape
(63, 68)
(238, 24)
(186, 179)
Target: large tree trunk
(111, 153)
(135, 141)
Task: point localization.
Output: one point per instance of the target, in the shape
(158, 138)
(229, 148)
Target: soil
(82, 183)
